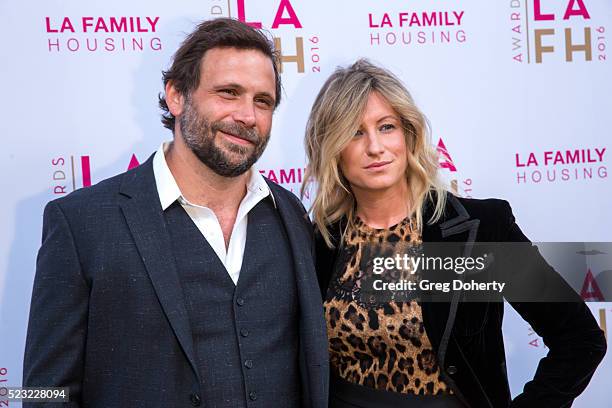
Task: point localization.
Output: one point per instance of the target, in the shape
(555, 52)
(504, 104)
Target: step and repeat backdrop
(518, 93)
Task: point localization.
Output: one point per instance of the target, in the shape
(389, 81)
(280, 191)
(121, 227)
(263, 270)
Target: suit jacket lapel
(314, 360)
(143, 213)
(457, 226)
(308, 290)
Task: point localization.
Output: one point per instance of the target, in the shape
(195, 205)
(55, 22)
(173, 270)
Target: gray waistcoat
(245, 335)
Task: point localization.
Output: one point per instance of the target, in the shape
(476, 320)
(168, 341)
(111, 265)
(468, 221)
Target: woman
(377, 184)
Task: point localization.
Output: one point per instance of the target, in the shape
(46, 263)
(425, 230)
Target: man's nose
(245, 113)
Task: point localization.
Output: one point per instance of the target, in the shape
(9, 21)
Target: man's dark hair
(221, 32)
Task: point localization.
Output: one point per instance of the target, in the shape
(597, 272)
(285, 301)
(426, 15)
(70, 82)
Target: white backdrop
(518, 93)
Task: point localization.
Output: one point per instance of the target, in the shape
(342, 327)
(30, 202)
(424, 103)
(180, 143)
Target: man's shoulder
(100, 194)
(281, 193)
(297, 213)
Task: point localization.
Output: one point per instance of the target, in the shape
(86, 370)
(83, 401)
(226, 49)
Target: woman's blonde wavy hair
(334, 119)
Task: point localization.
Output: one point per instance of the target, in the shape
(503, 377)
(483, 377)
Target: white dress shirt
(205, 219)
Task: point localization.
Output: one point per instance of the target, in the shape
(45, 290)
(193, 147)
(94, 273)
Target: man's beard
(229, 160)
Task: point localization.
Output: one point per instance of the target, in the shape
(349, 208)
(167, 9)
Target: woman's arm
(575, 341)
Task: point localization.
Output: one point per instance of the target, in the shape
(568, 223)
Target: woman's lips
(377, 165)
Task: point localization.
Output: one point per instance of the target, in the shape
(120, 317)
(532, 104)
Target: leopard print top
(381, 345)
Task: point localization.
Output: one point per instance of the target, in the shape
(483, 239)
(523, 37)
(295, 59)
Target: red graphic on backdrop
(133, 162)
(283, 8)
(86, 171)
(69, 176)
(290, 46)
(590, 289)
(446, 162)
(569, 11)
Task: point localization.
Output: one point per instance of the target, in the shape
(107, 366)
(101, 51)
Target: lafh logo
(543, 29)
(73, 172)
(284, 16)
(571, 46)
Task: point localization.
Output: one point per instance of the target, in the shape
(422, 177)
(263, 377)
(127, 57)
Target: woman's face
(375, 159)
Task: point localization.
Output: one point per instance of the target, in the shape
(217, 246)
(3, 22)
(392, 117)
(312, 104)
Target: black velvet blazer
(467, 337)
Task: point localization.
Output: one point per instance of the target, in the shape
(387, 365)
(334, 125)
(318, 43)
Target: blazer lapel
(314, 364)
(145, 219)
(311, 305)
(457, 226)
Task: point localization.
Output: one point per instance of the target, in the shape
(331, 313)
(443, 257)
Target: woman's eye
(386, 127)
(358, 133)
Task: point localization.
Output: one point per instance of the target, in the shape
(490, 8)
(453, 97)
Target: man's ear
(174, 100)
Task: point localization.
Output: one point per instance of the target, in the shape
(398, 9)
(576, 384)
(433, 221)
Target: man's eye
(231, 92)
(263, 101)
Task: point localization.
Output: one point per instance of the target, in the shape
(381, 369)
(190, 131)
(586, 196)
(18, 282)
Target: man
(188, 280)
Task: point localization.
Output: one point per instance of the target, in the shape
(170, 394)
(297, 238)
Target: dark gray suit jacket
(108, 318)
